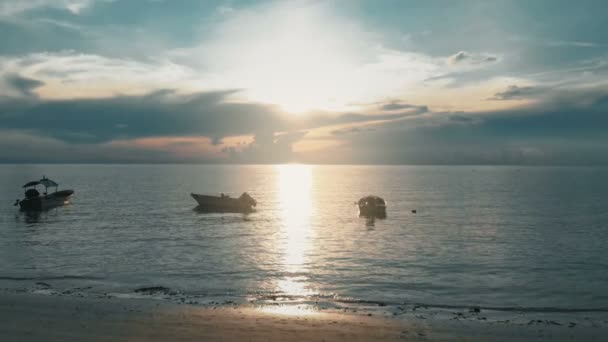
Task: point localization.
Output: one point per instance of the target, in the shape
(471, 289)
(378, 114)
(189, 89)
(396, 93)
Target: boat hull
(373, 211)
(40, 203)
(208, 203)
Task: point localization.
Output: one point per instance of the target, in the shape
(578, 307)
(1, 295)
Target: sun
(297, 72)
(294, 56)
(304, 56)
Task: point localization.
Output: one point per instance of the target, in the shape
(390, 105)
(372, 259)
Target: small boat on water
(224, 203)
(34, 201)
(372, 206)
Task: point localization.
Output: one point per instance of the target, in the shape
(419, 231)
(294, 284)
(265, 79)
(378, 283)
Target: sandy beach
(32, 317)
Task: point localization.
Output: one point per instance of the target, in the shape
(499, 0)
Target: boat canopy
(44, 181)
(48, 183)
(371, 199)
(32, 183)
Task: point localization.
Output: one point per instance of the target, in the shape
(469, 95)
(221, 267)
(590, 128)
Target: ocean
(506, 237)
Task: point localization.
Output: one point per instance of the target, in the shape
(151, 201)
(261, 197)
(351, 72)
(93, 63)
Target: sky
(495, 82)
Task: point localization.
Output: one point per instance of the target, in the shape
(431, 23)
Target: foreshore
(34, 317)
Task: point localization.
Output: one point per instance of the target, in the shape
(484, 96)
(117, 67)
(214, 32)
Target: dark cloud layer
(563, 127)
(162, 113)
(566, 127)
(73, 126)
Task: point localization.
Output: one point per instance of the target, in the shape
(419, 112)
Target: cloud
(27, 147)
(328, 119)
(514, 92)
(466, 57)
(15, 7)
(267, 147)
(351, 130)
(580, 44)
(21, 86)
(69, 74)
(398, 105)
(458, 57)
(77, 6)
(461, 118)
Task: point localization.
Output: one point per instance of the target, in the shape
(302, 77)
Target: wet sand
(32, 317)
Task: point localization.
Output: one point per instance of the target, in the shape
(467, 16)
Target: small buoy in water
(414, 211)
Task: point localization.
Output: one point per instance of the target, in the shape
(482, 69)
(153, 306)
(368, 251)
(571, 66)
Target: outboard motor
(246, 198)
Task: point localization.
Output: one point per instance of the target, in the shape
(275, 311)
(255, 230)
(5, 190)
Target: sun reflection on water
(291, 310)
(295, 203)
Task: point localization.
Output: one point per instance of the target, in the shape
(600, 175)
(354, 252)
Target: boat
(224, 203)
(34, 201)
(372, 206)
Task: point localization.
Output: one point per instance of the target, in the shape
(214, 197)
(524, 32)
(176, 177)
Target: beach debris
(43, 284)
(82, 288)
(474, 309)
(153, 289)
(538, 321)
(571, 325)
(414, 211)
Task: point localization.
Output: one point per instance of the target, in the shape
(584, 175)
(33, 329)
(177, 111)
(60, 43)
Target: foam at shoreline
(512, 316)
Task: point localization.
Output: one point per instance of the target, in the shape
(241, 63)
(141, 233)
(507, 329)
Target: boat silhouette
(34, 201)
(224, 203)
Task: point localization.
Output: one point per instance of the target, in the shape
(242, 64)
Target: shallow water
(503, 237)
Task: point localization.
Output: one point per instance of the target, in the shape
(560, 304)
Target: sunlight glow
(302, 57)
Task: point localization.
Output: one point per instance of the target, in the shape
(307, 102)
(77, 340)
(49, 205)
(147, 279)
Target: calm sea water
(507, 237)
